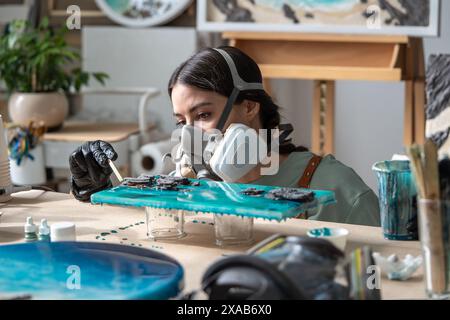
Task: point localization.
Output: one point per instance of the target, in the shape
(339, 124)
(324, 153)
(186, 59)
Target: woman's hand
(90, 168)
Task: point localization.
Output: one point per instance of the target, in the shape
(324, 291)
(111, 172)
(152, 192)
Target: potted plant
(35, 67)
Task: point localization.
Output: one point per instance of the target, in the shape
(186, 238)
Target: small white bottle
(30, 231)
(44, 231)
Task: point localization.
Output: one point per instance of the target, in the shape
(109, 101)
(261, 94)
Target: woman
(199, 89)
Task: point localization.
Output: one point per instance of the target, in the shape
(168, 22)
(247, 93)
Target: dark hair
(208, 70)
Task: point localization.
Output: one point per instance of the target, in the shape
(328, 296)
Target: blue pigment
(323, 232)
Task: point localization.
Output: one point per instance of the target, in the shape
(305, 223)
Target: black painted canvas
(438, 101)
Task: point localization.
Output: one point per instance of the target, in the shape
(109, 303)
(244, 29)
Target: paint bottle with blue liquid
(44, 231)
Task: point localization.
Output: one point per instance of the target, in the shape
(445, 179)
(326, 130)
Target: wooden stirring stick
(115, 170)
(415, 156)
(432, 171)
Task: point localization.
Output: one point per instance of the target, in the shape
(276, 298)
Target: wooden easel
(326, 58)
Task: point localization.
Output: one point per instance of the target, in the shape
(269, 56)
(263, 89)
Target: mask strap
(238, 82)
(239, 86)
(286, 130)
(227, 110)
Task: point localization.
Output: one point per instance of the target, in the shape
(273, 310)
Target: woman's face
(203, 109)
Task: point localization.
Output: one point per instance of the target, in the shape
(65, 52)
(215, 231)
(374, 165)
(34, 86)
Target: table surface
(197, 250)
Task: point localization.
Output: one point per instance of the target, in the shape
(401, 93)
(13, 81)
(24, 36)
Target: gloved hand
(90, 169)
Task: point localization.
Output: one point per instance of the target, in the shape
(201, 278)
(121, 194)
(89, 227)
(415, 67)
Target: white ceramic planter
(30, 172)
(50, 108)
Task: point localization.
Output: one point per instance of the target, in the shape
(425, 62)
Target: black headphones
(251, 261)
(279, 279)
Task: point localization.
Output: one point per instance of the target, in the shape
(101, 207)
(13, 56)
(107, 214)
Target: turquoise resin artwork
(87, 271)
(312, 4)
(213, 197)
(142, 13)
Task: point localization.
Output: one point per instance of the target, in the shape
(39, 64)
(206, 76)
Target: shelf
(325, 57)
(330, 72)
(84, 131)
(296, 36)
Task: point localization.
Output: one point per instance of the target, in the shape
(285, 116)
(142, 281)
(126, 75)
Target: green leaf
(101, 77)
(44, 51)
(44, 23)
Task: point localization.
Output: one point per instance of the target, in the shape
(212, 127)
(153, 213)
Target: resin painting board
(102, 271)
(212, 197)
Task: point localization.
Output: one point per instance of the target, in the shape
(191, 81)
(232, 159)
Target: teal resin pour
(322, 232)
(397, 193)
(214, 197)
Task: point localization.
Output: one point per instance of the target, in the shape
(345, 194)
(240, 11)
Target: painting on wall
(142, 13)
(404, 17)
(438, 102)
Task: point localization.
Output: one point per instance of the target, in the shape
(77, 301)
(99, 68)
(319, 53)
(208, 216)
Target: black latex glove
(90, 169)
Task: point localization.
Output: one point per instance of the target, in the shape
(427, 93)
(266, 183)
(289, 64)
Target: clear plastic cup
(233, 230)
(165, 224)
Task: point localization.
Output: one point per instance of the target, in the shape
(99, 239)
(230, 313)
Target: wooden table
(196, 251)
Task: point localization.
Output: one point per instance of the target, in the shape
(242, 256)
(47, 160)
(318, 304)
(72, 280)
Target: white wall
(135, 57)
(369, 115)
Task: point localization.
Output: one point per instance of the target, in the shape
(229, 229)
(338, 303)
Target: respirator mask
(230, 155)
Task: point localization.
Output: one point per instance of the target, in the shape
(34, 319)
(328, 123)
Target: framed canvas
(58, 8)
(142, 13)
(391, 17)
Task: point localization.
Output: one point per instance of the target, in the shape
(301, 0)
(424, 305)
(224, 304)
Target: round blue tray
(87, 270)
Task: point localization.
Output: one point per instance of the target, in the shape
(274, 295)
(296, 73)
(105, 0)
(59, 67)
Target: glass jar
(397, 200)
(165, 224)
(434, 232)
(233, 230)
